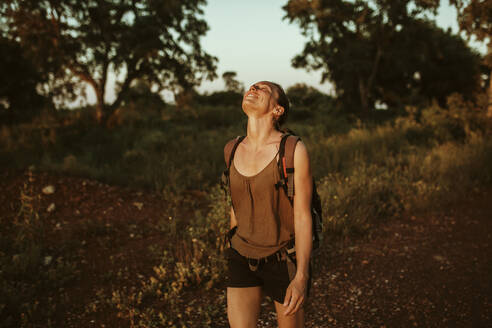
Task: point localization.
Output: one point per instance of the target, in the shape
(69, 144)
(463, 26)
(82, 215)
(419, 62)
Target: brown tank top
(265, 219)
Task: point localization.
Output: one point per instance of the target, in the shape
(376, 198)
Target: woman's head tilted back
(267, 98)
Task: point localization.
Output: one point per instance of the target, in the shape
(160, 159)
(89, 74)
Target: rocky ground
(431, 269)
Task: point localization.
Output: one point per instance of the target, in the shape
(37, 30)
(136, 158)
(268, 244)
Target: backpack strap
(229, 151)
(290, 147)
(286, 162)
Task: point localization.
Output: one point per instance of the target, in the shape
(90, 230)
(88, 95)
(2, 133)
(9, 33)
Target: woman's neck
(260, 132)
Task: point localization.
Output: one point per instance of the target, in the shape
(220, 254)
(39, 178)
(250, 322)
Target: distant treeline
(377, 54)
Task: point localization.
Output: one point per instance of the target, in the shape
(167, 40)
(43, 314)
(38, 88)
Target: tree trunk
(364, 98)
(100, 114)
(365, 88)
(103, 114)
(489, 106)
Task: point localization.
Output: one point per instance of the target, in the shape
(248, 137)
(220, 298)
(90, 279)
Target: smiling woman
(281, 99)
(270, 237)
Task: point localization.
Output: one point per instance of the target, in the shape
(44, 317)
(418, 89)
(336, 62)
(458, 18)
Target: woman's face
(260, 99)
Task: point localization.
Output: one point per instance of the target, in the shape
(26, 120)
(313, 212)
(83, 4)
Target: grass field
(366, 174)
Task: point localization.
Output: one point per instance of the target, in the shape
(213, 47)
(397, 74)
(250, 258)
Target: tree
(79, 42)
(19, 100)
(302, 95)
(426, 63)
(475, 19)
(231, 83)
(141, 98)
(364, 46)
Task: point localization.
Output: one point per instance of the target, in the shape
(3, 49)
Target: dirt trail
(429, 270)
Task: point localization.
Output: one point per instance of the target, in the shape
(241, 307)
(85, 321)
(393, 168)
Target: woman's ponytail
(284, 102)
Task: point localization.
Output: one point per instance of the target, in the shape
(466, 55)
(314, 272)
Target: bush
(32, 273)
(367, 173)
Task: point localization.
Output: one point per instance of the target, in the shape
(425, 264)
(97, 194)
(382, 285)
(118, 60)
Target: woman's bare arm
(303, 183)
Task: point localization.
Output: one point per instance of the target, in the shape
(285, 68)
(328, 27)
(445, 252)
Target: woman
(265, 219)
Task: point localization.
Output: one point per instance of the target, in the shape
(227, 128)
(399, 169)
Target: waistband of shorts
(281, 255)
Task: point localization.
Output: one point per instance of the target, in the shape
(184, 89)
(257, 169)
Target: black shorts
(272, 276)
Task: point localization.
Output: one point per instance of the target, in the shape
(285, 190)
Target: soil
(429, 269)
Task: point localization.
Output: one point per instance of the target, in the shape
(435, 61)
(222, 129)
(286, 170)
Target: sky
(252, 39)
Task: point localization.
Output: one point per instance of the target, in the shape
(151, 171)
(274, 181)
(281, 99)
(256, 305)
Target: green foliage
(368, 49)
(357, 202)
(425, 63)
(195, 262)
(79, 42)
(231, 83)
(474, 19)
(219, 98)
(303, 96)
(144, 154)
(141, 98)
(367, 173)
(19, 100)
(32, 274)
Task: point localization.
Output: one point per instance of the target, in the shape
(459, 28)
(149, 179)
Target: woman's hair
(282, 101)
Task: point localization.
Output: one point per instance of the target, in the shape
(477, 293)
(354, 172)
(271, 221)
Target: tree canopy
(380, 50)
(475, 19)
(302, 95)
(79, 42)
(19, 100)
(231, 83)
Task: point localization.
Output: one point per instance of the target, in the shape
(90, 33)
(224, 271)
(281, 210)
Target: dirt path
(429, 270)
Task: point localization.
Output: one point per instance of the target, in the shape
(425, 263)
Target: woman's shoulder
(229, 146)
(231, 142)
(301, 156)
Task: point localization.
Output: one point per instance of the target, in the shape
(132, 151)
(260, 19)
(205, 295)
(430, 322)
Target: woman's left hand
(295, 295)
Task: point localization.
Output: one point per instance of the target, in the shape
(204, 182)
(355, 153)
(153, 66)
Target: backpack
(286, 182)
